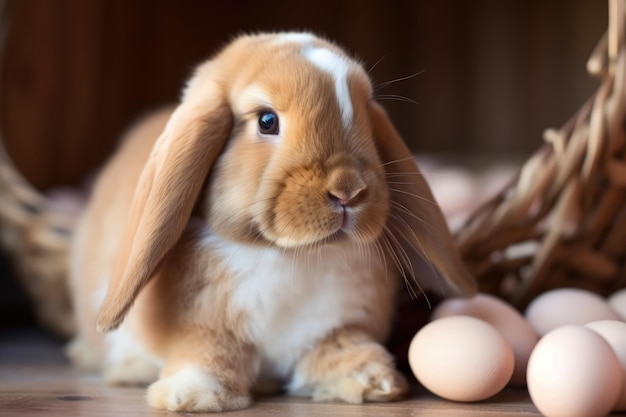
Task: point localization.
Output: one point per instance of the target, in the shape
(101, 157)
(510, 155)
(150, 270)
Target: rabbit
(253, 238)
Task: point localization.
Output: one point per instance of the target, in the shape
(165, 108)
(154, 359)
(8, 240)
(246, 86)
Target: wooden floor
(35, 380)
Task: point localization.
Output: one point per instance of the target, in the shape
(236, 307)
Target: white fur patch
(293, 301)
(191, 378)
(339, 67)
(123, 346)
(98, 296)
(191, 389)
(250, 98)
(296, 37)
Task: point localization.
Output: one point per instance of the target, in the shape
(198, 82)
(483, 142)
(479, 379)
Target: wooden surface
(35, 380)
(57, 390)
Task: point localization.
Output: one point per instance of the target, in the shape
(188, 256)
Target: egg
(617, 301)
(461, 358)
(614, 332)
(566, 306)
(573, 372)
(504, 318)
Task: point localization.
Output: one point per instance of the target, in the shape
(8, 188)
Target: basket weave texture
(36, 235)
(561, 222)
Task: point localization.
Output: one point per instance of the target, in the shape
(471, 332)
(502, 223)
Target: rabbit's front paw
(193, 390)
(371, 382)
(348, 366)
(133, 370)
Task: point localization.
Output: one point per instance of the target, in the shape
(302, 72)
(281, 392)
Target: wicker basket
(35, 234)
(561, 222)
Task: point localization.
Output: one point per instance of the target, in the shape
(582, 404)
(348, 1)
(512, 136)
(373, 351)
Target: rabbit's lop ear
(418, 226)
(167, 191)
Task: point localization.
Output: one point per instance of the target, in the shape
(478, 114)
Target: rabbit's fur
(222, 256)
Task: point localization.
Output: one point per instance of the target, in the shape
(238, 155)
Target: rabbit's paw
(348, 366)
(132, 370)
(192, 390)
(371, 382)
(82, 355)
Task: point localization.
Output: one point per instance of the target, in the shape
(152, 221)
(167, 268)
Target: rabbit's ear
(166, 193)
(419, 229)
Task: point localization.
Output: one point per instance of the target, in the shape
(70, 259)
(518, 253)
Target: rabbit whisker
(399, 253)
(396, 80)
(400, 207)
(381, 256)
(402, 222)
(396, 97)
(396, 190)
(376, 63)
(391, 249)
(421, 253)
(401, 182)
(396, 161)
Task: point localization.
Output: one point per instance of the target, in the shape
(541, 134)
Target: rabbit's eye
(268, 123)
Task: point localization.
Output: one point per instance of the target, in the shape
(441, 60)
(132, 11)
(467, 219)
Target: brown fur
(354, 349)
(203, 167)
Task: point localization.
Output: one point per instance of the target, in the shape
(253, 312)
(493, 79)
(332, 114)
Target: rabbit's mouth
(326, 224)
(342, 229)
(301, 215)
(347, 229)
(345, 220)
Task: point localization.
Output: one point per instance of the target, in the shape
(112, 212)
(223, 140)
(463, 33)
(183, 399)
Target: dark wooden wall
(493, 73)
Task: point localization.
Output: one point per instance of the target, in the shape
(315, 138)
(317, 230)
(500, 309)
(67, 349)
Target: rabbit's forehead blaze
(338, 67)
(300, 68)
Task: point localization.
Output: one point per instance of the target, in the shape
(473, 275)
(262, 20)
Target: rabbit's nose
(347, 199)
(346, 188)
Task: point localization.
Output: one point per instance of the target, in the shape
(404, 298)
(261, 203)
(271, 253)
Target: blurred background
(487, 76)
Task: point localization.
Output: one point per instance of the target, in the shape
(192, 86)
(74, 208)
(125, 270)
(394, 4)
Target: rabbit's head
(283, 135)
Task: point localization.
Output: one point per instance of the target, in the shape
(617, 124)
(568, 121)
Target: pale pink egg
(504, 318)
(614, 332)
(573, 372)
(567, 306)
(461, 358)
